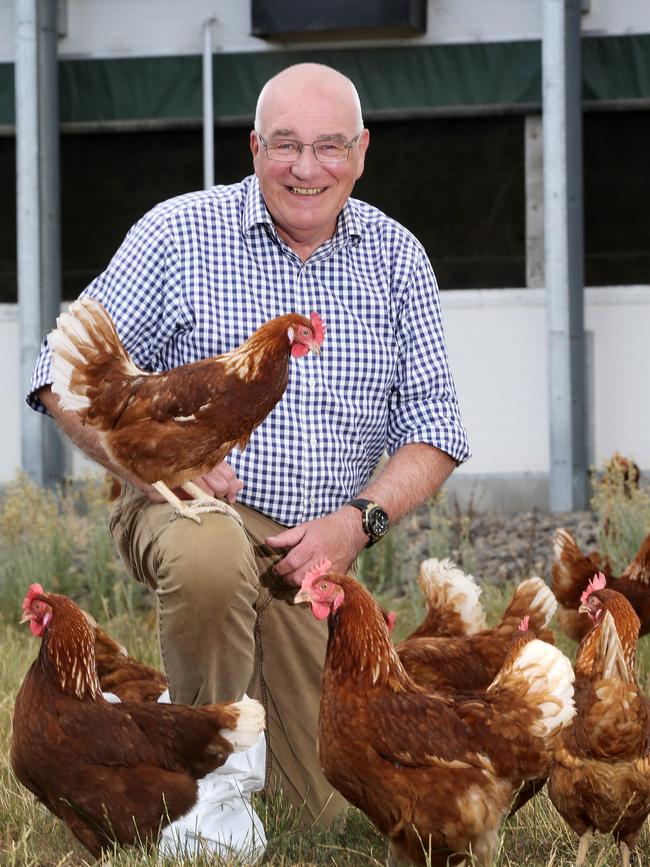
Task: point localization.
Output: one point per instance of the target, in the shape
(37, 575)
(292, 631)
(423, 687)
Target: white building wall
(497, 343)
(498, 351)
(122, 28)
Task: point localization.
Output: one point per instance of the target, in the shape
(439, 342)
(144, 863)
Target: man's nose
(306, 158)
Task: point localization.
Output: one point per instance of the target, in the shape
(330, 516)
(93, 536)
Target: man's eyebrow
(285, 132)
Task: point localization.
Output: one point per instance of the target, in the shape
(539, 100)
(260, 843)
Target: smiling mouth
(306, 191)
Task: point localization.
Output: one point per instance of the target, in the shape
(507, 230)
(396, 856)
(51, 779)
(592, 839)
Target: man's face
(305, 197)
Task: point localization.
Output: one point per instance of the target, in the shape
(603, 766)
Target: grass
(60, 538)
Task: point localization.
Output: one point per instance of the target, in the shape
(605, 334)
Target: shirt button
(312, 499)
(312, 383)
(313, 441)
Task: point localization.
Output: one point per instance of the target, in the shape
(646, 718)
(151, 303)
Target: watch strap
(363, 505)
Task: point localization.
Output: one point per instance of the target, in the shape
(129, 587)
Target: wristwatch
(374, 520)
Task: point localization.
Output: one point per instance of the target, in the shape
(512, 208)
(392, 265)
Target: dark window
(457, 184)
(617, 198)
(8, 283)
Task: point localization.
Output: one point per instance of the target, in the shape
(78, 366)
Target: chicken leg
(624, 849)
(202, 502)
(585, 840)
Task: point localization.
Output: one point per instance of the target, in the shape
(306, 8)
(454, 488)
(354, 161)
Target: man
(192, 273)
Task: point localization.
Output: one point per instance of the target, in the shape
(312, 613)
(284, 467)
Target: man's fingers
(287, 538)
(223, 482)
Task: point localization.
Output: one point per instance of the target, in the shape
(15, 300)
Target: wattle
(320, 610)
(299, 349)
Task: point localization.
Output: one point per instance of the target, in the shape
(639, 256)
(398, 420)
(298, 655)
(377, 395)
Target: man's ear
(362, 144)
(254, 143)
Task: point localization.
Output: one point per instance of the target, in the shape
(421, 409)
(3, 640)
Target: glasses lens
(285, 150)
(331, 151)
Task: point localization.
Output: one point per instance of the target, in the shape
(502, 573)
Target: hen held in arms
(169, 428)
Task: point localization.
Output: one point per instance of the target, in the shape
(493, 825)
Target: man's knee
(210, 564)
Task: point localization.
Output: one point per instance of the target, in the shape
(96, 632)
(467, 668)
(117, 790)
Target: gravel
(495, 546)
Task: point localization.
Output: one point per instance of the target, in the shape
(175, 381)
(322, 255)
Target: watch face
(378, 522)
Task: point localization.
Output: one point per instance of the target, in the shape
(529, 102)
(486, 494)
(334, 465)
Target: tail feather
(250, 724)
(452, 598)
(639, 568)
(532, 598)
(542, 677)
(571, 568)
(84, 336)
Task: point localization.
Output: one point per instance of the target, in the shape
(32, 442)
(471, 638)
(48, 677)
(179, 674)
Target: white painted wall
(497, 347)
(122, 28)
(498, 351)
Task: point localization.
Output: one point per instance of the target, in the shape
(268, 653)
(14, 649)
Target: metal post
(534, 156)
(37, 168)
(563, 232)
(28, 224)
(208, 106)
(48, 101)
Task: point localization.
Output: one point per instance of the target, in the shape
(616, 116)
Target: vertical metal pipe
(28, 223)
(208, 106)
(38, 219)
(563, 260)
(48, 102)
(534, 156)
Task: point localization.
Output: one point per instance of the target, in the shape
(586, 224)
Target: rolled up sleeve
(423, 403)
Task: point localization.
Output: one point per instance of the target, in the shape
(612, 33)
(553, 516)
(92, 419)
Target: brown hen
(452, 649)
(119, 673)
(114, 773)
(169, 428)
(435, 773)
(600, 776)
(572, 570)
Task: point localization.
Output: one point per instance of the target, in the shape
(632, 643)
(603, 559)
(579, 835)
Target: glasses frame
(312, 145)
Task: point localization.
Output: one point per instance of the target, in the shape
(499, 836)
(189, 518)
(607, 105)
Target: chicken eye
(324, 585)
(305, 332)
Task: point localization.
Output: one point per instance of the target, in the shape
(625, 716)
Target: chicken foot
(624, 849)
(585, 840)
(202, 502)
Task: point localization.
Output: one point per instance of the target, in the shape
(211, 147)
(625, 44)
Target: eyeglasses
(288, 150)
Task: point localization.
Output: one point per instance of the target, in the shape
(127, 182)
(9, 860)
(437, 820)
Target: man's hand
(337, 537)
(221, 482)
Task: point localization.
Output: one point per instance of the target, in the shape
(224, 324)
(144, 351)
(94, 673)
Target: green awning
(403, 78)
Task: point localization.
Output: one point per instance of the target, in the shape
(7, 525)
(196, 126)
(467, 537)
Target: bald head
(308, 87)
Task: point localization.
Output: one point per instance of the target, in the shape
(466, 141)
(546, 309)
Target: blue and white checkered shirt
(200, 272)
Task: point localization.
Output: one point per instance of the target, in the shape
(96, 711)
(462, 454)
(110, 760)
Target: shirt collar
(255, 211)
(348, 226)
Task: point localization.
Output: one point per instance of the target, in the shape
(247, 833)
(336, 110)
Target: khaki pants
(227, 625)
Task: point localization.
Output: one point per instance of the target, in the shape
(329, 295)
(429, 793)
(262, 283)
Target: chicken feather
(435, 773)
(600, 775)
(572, 569)
(111, 772)
(171, 427)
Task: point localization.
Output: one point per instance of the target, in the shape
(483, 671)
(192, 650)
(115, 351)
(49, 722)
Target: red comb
(598, 582)
(390, 617)
(319, 569)
(319, 327)
(34, 590)
(523, 626)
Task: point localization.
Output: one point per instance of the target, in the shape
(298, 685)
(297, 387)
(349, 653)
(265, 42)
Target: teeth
(307, 191)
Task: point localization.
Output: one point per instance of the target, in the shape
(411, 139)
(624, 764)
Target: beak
(301, 596)
(583, 610)
(25, 618)
(314, 347)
